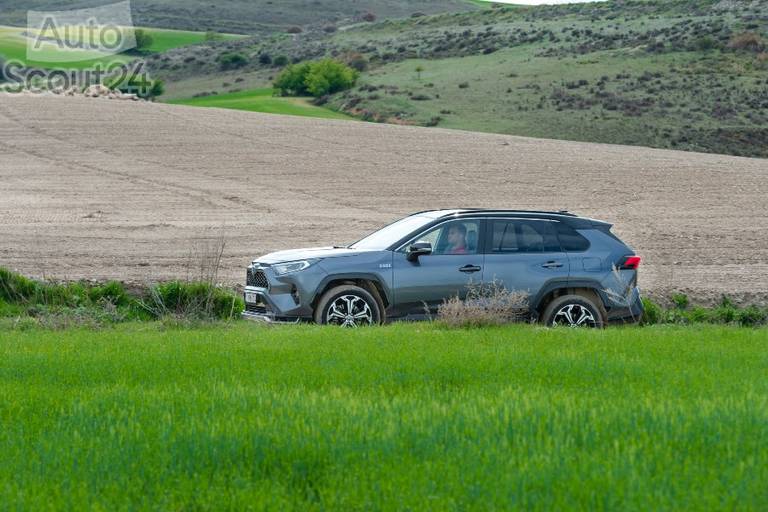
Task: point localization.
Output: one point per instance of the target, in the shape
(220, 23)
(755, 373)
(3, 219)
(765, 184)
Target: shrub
(197, 301)
(15, 288)
(748, 41)
(752, 316)
(143, 39)
(211, 35)
(328, 76)
(292, 80)
(295, 30)
(680, 300)
(265, 59)
(230, 60)
(357, 61)
(280, 61)
(652, 313)
(484, 305)
(369, 17)
(317, 78)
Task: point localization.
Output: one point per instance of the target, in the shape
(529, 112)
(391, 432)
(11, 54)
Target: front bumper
(268, 319)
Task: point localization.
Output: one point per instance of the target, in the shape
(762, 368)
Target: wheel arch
(557, 288)
(370, 282)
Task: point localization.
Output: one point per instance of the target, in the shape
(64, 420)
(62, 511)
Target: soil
(97, 189)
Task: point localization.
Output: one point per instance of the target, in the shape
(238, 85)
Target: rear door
(456, 261)
(523, 254)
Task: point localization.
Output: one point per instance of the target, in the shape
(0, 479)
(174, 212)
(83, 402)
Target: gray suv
(574, 270)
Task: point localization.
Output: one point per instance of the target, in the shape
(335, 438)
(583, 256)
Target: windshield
(388, 235)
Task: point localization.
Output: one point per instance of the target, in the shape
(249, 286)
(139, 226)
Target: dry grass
(484, 305)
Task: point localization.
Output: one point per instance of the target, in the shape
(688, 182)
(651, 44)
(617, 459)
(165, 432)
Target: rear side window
(570, 239)
(523, 236)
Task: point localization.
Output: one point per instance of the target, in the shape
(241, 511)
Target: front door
(456, 262)
(524, 254)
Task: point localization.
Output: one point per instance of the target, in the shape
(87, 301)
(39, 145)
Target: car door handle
(470, 269)
(552, 264)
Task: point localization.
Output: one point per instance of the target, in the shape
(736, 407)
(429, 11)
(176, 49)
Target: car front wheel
(348, 306)
(573, 311)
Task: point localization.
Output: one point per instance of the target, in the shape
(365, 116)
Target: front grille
(257, 278)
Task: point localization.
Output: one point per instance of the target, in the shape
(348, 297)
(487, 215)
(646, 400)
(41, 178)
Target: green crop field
(406, 417)
(263, 100)
(13, 46)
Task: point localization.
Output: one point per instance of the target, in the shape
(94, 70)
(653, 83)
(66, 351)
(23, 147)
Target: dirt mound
(128, 190)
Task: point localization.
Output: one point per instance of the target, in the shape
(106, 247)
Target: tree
(143, 39)
(292, 80)
(419, 70)
(317, 78)
(328, 76)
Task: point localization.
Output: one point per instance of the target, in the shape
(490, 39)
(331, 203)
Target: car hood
(306, 254)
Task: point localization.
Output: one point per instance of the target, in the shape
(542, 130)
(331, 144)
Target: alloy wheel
(349, 311)
(574, 315)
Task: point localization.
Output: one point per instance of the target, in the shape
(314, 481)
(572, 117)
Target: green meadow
(403, 417)
(263, 100)
(13, 46)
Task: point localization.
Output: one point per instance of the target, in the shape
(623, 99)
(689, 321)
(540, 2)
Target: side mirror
(418, 249)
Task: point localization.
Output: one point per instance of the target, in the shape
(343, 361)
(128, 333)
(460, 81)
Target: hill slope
(106, 189)
(242, 16)
(682, 74)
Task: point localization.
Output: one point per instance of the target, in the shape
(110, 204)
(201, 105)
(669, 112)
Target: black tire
(365, 307)
(573, 311)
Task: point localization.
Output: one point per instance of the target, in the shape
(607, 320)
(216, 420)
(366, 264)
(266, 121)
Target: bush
(231, 60)
(62, 305)
(484, 305)
(295, 30)
(143, 39)
(196, 301)
(265, 59)
(369, 17)
(280, 61)
(317, 78)
(292, 80)
(652, 313)
(747, 41)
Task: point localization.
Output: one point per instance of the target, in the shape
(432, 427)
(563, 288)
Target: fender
(367, 276)
(564, 282)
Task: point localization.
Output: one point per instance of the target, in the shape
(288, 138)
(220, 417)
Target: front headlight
(293, 266)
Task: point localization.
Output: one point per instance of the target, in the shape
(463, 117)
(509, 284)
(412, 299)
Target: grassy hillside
(403, 417)
(13, 46)
(244, 16)
(263, 100)
(685, 74)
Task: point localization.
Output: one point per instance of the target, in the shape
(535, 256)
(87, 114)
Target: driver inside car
(457, 239)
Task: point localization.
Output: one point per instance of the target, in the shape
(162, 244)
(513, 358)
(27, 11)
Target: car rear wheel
(573, 311)
(348, 306)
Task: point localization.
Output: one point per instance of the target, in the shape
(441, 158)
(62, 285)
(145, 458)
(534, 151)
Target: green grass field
(13, 46)
(407, 417)
(262, 100)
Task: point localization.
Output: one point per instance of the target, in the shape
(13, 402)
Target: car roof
(564, 215)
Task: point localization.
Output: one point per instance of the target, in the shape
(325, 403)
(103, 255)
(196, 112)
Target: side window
(455, 237)
(523, 236)
(571, 240)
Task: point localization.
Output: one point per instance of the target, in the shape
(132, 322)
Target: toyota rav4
(574, 270)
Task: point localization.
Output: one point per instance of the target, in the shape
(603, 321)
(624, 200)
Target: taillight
(629, 263)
